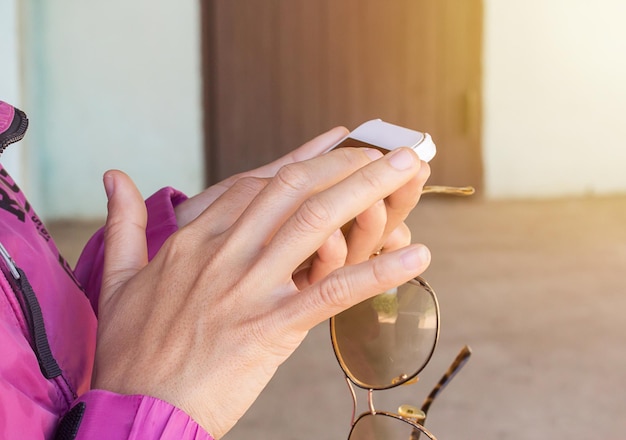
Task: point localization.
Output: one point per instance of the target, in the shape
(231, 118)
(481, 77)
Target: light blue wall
(10, 89)
(113, 84)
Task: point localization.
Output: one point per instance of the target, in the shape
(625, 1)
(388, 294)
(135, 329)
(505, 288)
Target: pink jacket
(48, 328)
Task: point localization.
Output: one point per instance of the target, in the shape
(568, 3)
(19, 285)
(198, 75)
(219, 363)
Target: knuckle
(293, 177)
(172, 247)
(112, 230)
(313, 215)
(335, 291)
(382, 278)
(402, 204)
(349, 154)
(230, 181)
(353, 158)
(176, 246)
(116, 229)
(251, 185)
(371, 178)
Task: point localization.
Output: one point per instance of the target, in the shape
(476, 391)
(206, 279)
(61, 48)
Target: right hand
(207, 322)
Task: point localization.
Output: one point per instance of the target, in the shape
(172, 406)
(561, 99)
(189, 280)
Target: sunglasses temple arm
(454, 368)
(417, 433)
(450, 190)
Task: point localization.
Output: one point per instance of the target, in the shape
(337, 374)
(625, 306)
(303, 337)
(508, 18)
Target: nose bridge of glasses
(407, 411)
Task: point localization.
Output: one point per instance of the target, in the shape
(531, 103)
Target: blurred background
(526, 101)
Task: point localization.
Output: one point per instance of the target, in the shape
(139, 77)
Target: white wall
(114, 84)
(12, 158)
(554, 97)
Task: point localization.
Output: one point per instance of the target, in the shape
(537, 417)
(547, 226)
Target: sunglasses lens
(384, 427)
(388, 339)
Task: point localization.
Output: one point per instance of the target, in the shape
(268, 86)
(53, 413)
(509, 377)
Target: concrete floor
(536, 288)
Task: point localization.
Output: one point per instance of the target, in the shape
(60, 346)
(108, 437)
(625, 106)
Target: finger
(191, 208)
(286, 192)
(125, 247)
(365, 235)
(399, 238)
(309, 150)
(352, 284)
(228, 207)
(322, 213)
(329, 257)
(401, 202)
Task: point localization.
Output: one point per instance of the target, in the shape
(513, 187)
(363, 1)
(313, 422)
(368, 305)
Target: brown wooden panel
(300, 58)
(244, 85)
(459, 158)
(285, 70)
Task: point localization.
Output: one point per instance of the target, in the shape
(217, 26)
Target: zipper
(17, 279)
(32, 314)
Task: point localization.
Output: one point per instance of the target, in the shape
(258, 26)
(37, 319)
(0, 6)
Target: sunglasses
(385, 342)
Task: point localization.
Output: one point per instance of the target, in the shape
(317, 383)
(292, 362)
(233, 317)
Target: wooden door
(278, 72)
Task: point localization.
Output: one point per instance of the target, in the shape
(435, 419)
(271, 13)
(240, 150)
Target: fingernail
(415, 257)
(401, 159)
(109, 185)
(373, 153)
(337, 235)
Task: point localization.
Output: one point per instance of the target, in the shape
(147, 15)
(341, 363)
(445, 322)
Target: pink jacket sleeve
(100, 414)
(104, 415)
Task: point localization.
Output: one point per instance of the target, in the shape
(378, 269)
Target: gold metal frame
(417, 428)
(416, 417)
(418, 281)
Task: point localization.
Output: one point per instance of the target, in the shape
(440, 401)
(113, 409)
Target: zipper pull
(9, 262)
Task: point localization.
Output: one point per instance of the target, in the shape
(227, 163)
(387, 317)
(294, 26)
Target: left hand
(191, 208)
(205, 324)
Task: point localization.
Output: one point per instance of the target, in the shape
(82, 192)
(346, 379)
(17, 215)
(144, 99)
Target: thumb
(125, 245)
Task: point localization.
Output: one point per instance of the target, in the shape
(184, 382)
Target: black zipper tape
(32, 314)
(32, 310)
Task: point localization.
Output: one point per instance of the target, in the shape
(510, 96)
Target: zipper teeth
(21, 131)
(10, 141)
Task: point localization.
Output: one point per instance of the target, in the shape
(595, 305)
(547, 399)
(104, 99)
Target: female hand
(381, 227)
(191, 208)
(207, 322)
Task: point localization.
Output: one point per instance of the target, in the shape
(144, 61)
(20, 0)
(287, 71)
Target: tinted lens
(387, 339)
(385, 427)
